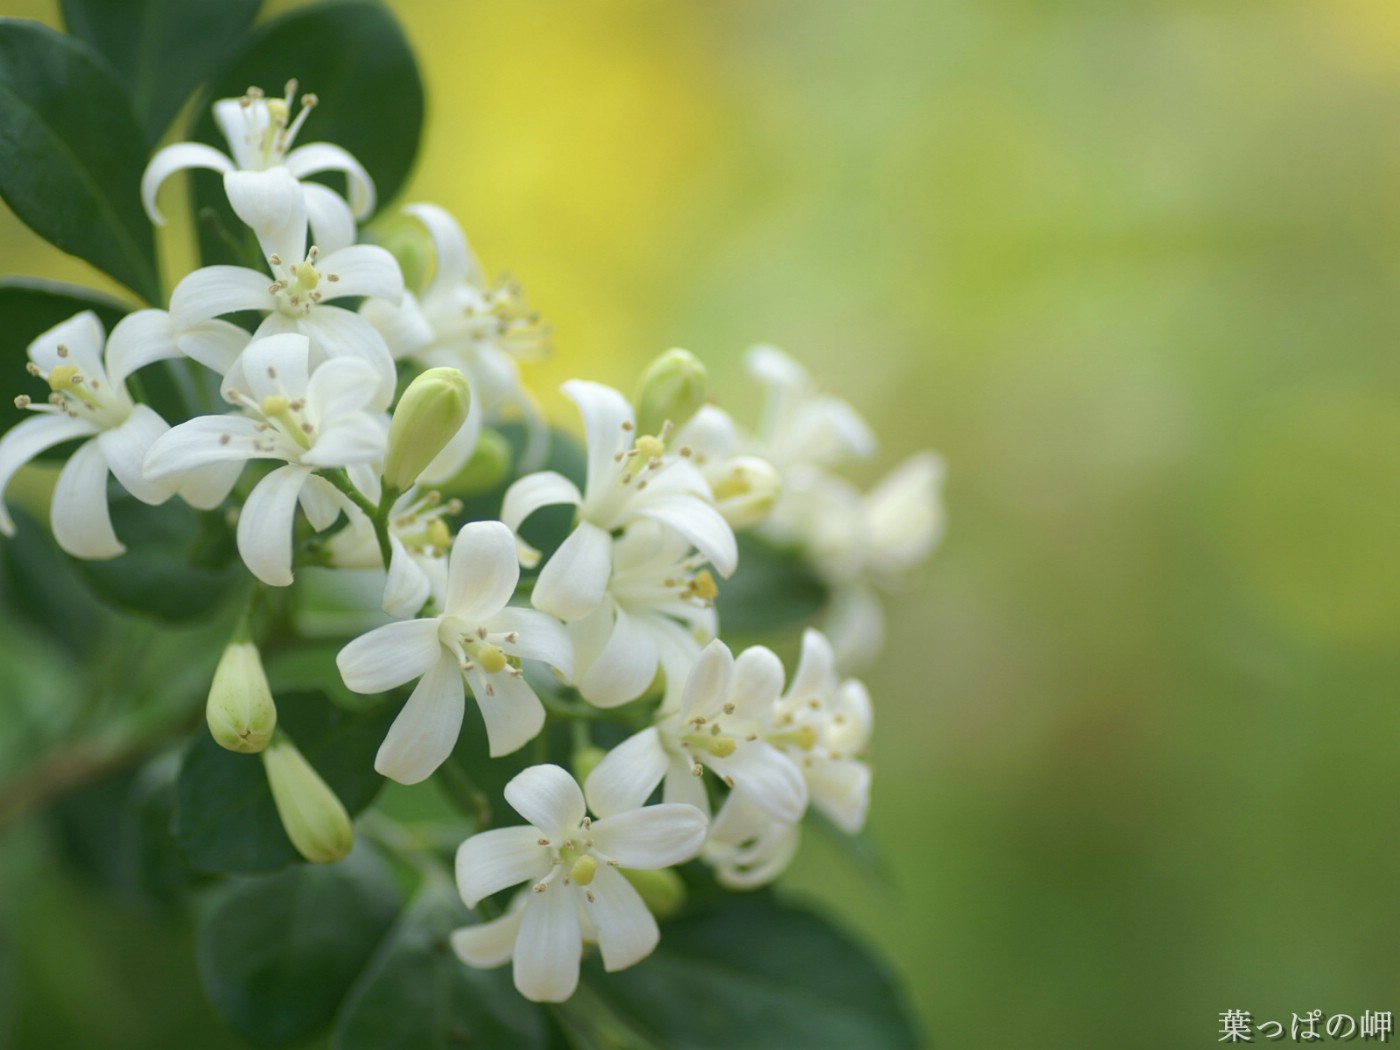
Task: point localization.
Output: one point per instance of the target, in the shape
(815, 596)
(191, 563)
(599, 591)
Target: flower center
(77, 395)
(298, 285)
(269, 127)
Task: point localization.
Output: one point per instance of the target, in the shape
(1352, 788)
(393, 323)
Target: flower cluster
(362, 417)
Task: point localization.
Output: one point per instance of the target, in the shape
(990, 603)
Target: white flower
(576, 888)
(746, 487)
(311, 420)
(298, 300)
(89, 399)
(746, 847)
(262, 178)
(461, 321)
(658, 610)
(475, 637)
(419, 539)
(630, 478)
(725, 719)
(798, 423)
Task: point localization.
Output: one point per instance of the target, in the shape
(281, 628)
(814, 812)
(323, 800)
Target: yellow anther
(703, 586)
(650, 447)
(63, 377)
(274, 405)
(722, 746)
(807, 738)
(583, 870)
(307, 275)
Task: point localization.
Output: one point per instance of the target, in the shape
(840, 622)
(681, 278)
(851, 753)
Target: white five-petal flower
(576, 888)
(475, 638)
(321, 419)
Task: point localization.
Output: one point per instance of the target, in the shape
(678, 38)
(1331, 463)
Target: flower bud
(312, 816)
(672, 388)
(408, 242)
(747, 491)
(240, 710)
(488, 468)
(431, 411)
(661, 890)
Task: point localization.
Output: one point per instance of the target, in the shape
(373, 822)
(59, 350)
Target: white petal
(363, 269)
(320, 502)
(701, 524)
(341, 333)
(426, 730)
(209, 486)
(493, 860)
(214, 344)
(270, 202)
(265, 525)
(906, 514)
(488, 944)
(627, 932)
(322, 156)
(216, 290)
(815, 677)
(482, 570)
(548, 946)
(404, 328)
(757, 684)
(840, 788)
(137, 340)
(628, 774)
(680, 785)
(574, 580)
(332, 224)
(198, 443)
(81, 336)
(542, 638)
(604, 412)
(768, 777)
(175, 158)
(855, 623)
(277, 365)
(512, 712)
(27, 439)
(625, 667)
(548, 798)
(238, 122)
(455, 262)
(390, 655)
(527, 495)
(407, 587)
(80, 519)
(125, 446)
(707, 688)
(652, 836)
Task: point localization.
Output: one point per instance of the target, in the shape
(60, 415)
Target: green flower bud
(661, 890)
(486, 470)
(404, 237)
(240, 710)
(430, 412)
(672, 388)
(313, 818)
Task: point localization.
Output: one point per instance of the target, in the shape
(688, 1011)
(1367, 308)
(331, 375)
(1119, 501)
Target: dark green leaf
(43, 587)
(225, 819)
(749, 972)
(277, 953)
(354, 58)
(180, 563)
(417, 995)
(72, 154)
(161, 50)
(771, 590)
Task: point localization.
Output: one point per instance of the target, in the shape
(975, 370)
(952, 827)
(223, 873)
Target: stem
(378, 516)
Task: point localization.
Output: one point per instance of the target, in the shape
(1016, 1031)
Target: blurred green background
(1131, 268)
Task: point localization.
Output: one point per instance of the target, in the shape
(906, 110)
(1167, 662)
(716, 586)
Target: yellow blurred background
(1132, 269)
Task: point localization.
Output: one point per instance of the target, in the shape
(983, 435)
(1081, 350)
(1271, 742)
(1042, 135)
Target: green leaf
(225, 819)
(180, 563)
(43, 587)
(161, 50)
(72, 154)
(277, 953)
(772, 589)
(749, 972)
(353, 56)
(417, 995)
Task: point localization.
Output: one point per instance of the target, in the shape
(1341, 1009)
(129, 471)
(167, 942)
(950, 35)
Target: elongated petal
(175, 158)
(332, 224)
(320, 502)
(137, 340)
(363, 269)
(701, 524)
(512, 712)
(125, 447)
(488, 944)
(815, 676)
(80, 338)
(482, 570)
(277, 365)
(322, 156)
(265, 525)
(27, 439)
(652, 836)
(388, 656)
(426, 730)
(840, 788)
(200, 442)
(680, 785)
(217, 290)
(407, 586)
(768, 777)
(341, 333)
(542, 638)
(628, 774)
(206, 488)
(455, 262)
(81, 521)
(548, 946)
(627, 932)
(757, 684)
(707, 688)
(214, 344)
(549, 799)
(604, 413)
(529, 494)
(270, 202)
(573, 582)
(403, 327)
(625, 667)
(493, 860)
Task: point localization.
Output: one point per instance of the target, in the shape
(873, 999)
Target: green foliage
(72, 154)
(225, 819)
(277, 952)
(772, 590)
(161, 50)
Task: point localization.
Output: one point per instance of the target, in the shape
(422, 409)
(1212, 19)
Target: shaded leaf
(72, 154)
(772, 589)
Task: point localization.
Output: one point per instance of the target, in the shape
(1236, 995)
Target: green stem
(378, 516)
